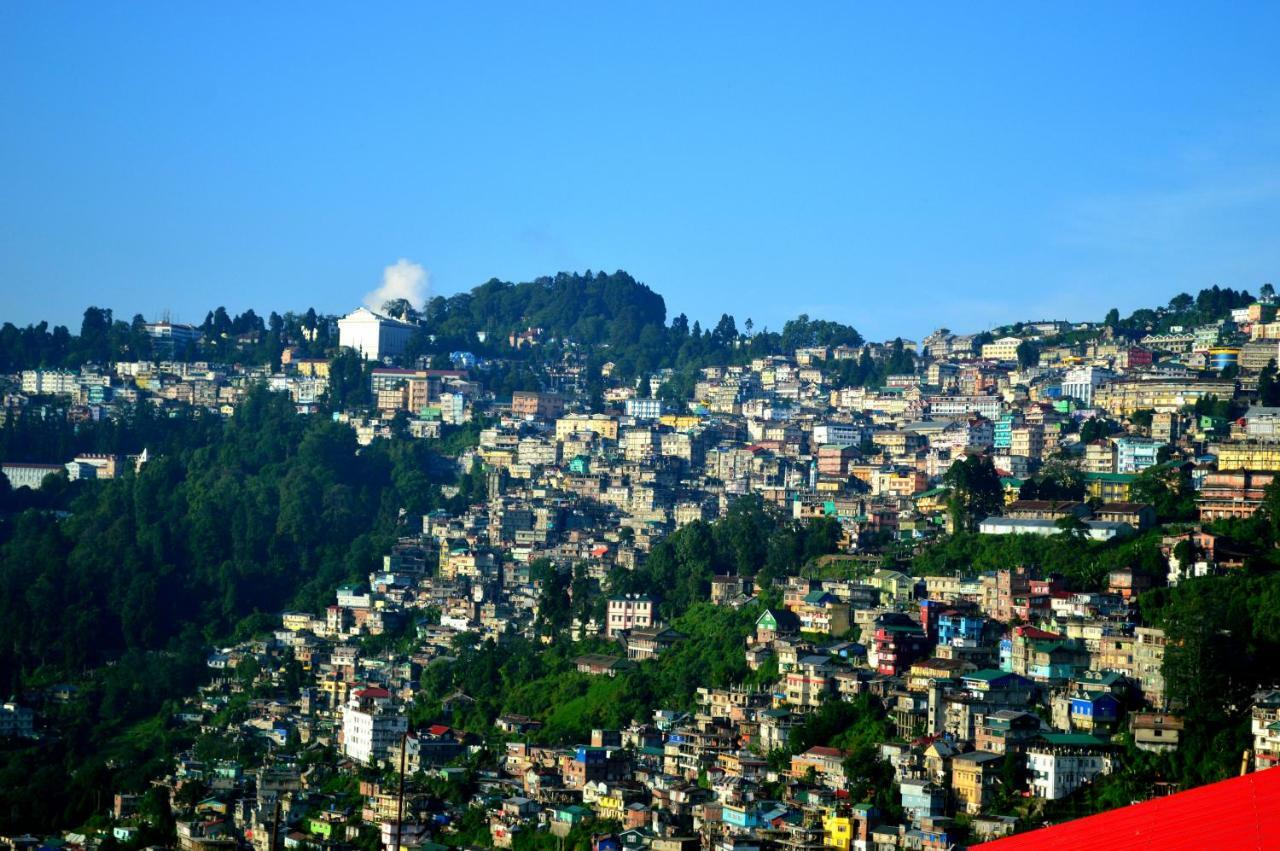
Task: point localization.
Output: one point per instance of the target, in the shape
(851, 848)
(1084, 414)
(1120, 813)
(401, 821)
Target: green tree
(1071, 526)
(1028, 354)
(1268, 387)
(1096, 428)
(1168, 488)
(976, 491)
(348, 381)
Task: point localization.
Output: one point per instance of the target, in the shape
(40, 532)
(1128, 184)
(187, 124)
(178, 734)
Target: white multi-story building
(808, 683)
(631, 611)
(350, 597)
(538, 452)
(837, 434)
(640, 444)
(644, 409)
(1135, 454)
(964, 406)
(371, 725)
(29, 475)
(1079, 383)
(1064, 763)
(169, 339)
(453, 408)
(1027, 441)
(373, 335)
(51, 382)
(1265, 726)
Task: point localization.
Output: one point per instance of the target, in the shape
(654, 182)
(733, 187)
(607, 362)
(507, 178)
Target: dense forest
(590, 309)
(210, 539)
(44, 433)
(246, 517)
(619, 319)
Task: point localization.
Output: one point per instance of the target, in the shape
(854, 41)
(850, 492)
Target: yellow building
(895, 585)
(1004, 349)
(611, 806)
(680, 422)
(498, 459)
(1121, 398)
(973, 779)
(455, 563)
(923, 673)
(605, 427)
(336, 689)
(899, 442)
(837, 831)
(1248, 455)
(933, 501)
(380, 806)
(1109, 487)
(312, 367)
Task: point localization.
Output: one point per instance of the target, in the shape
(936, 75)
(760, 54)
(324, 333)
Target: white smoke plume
(403, 279)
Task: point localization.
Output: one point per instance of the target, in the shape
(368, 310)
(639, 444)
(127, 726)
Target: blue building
(966, 626)
(1091, 712)
(1003, 432)
(744, 816)
(1006, 654)
(922, 799)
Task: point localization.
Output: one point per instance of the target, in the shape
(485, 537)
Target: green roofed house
(1060, 763)
(997, 688)
(893, 584)
(773, 623)
(571, 814)
(1109, 487)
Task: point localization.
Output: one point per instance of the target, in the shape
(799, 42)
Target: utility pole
(275, 825)
(404, 749)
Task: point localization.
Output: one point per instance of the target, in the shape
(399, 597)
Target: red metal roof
(1034, 633)
(822, 750)
(1240, 813)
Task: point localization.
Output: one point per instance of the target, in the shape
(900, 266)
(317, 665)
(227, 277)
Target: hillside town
(883, 691)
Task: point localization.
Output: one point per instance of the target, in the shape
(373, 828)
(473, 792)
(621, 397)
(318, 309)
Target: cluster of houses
(783, 426)
(1002, 688)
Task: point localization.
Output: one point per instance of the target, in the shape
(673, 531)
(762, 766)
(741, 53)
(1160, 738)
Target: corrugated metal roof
(1240, 813)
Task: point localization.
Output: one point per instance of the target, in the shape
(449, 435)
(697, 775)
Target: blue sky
(895, 168)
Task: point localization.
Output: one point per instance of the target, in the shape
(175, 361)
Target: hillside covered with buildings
(537, 565)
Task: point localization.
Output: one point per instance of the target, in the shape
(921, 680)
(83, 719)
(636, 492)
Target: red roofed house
(827, 764)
